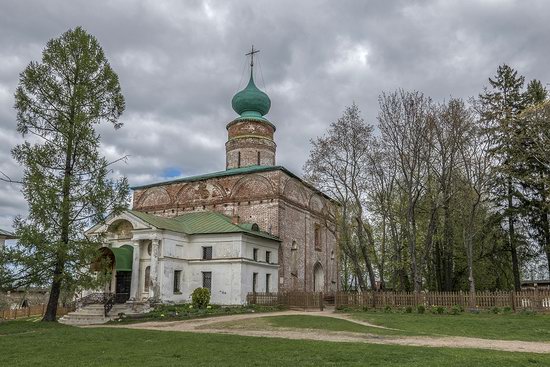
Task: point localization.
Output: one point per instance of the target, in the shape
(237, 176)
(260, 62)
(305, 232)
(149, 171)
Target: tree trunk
(512, 239)
(411, 223)
(364, 251)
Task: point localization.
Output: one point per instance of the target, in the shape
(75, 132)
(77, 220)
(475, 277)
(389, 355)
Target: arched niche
(199, 191)
(121, 229)
(154, 196)
(294, 191)
(252, 186)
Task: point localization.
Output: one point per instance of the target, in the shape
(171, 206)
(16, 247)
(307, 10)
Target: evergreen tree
(533, 165)
(500, 107)
(59, 103)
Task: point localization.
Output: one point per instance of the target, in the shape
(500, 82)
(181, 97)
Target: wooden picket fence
(538, 300)
(301, 300)
(37, 310)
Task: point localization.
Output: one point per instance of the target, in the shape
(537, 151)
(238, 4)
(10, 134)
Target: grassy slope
(31, 344)
(483, 325)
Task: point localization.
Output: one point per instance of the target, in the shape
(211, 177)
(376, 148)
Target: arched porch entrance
(120, 262)
(318, 278)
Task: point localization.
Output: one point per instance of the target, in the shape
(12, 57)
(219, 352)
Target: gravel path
(208, 325)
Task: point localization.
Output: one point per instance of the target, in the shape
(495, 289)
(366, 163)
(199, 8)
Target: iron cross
(251, 53)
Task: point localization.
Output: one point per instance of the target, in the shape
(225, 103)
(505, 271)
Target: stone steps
(94, 314)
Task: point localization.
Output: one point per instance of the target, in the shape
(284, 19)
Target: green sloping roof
(7, 234)
(200, 223)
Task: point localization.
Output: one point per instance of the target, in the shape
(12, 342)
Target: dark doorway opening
(123, 282)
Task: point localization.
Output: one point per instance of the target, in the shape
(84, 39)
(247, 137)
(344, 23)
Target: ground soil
(216, 325)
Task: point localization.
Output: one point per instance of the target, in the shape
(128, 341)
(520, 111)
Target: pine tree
(500, 107)
(59, 103)
(533, 165)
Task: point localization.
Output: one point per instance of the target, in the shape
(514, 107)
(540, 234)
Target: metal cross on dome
(251, 54)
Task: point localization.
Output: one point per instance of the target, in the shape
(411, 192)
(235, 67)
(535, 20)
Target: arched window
(294, 259)
(147, 279)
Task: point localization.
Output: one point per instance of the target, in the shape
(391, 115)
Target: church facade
(253, 227)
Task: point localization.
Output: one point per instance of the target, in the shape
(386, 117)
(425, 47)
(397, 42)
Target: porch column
(154, 287)
(134, 285)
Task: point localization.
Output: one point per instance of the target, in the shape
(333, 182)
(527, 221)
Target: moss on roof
(200, 223)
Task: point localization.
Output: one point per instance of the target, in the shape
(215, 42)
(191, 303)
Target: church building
(253, 227)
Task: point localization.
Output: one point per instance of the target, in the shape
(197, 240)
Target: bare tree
(338, 166)
(405, 124)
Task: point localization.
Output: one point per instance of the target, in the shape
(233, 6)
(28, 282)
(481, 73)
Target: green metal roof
(200, 223)
(7, 235)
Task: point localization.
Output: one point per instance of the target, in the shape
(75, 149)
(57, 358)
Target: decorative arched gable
(199, 191)
(316, 204)
(252, 186)
(155, 196)
(295, 192)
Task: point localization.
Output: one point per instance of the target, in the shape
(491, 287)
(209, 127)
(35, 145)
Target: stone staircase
(93, 314)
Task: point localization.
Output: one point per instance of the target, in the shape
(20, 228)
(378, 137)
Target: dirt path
(208, 325)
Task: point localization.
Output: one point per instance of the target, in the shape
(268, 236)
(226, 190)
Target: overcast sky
(180, 63)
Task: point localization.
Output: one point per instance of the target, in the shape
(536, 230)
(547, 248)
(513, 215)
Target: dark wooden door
(123, 282)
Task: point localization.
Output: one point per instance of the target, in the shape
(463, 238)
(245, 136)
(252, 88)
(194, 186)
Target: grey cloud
(180, 63)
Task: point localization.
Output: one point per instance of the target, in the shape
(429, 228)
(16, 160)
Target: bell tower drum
(250, 136)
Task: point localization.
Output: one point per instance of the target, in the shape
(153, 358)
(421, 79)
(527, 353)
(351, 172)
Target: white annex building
(165, 259)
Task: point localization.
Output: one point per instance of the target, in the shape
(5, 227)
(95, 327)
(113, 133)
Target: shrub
(457, 309)
(200, 297)
(408, 309)
(495, 310)
(365, 308)
(507, 309)
(420, 309)
(387, 309)
(439, 310)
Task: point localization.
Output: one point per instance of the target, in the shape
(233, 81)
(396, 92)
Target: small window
(239, 159)
(317, 237)
(207, 279)
(207, 253)
(149, 248)
(177, 281)
(147, 279)
(268, 257)
(332, 254)
(254, 281)
(267, 282)
(255, 254)
(258, 158)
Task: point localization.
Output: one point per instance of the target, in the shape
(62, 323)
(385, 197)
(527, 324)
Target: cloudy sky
(180, 62)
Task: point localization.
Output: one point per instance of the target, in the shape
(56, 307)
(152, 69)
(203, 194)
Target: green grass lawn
(482, 325)
(24, 343)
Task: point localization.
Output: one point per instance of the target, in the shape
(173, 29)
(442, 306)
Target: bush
(439, 310)
(420, 309)
(507, 309)
(387, 309)
(365, 308)
(200, 297)
(495, 310)
(408, 309)
(457, 309)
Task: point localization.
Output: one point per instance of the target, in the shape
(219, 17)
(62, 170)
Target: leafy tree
(59, 103)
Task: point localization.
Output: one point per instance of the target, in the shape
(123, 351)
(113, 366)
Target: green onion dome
(251, 102)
